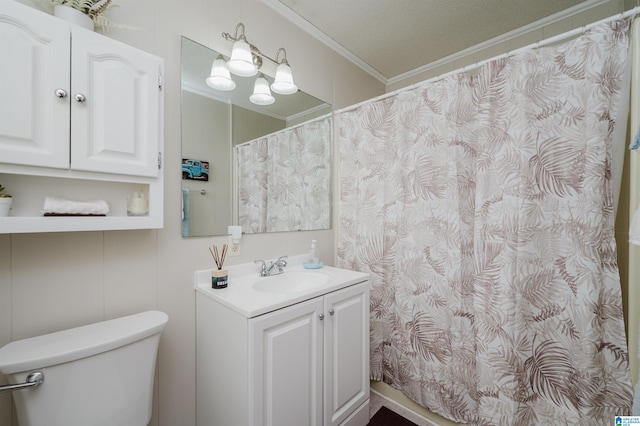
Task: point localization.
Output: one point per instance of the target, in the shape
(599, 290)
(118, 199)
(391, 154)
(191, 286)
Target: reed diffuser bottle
(219, 275)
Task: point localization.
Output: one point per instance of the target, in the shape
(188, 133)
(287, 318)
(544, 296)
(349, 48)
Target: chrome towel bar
(33, 379)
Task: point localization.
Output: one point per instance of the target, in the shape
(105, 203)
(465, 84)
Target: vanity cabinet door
(35, 86)
(115, 106)
(310, 361)
(286, 368)
(346, 346)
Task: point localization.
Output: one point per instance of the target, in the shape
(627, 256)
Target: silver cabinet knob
(321, 316)
(80, 97)
(61, 93)
(331, 311)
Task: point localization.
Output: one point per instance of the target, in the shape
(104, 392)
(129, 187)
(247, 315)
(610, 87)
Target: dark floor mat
(386, 417)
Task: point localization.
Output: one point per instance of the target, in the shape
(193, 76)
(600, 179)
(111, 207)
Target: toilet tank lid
(81, 342)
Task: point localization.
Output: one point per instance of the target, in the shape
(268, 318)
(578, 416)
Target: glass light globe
(283, 83)
(220, 79)
(261, 93)
(241, 62)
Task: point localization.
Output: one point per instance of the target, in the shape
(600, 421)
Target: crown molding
(541, 23)
(341, 50)
(307, 27)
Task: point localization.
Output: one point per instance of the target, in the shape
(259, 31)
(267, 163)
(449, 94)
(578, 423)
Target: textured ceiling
(398, 36)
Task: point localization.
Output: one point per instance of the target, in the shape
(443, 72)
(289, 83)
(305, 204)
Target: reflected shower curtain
(482, 207)
(283, 179)
(251, 160)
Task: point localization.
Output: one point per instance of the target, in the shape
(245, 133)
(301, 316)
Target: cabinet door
(115, 106)
(34, 120)
(286, 368)
(346, 340)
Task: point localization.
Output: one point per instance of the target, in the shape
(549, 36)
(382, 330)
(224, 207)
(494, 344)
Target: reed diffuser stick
(224, 254)
(216, 257)
(212, 255)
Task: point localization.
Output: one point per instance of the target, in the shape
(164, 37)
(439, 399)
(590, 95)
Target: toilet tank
(98, 374)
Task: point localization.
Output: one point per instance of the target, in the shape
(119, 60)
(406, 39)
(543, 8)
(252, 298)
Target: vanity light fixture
(246, 60)
(220, 78)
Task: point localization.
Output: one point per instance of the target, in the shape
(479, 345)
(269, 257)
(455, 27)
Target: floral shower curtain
(482, 207)
(251, 161)
(283, 175)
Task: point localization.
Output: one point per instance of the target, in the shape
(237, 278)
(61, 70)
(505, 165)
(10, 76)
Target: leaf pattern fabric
(251, 161)
(481, 206)
(283, 179)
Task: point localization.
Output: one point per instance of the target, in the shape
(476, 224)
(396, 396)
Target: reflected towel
(185, 212)
(59, 206)
(635, 143)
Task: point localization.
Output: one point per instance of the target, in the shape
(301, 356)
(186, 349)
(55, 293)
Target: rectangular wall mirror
(266, 168)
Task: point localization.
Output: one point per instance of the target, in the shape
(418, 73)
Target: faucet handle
(282, 261)
(263, 268)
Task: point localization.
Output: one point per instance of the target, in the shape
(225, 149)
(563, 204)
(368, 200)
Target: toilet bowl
(98, 374)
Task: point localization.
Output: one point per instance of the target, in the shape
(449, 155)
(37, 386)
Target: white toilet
(99, 374)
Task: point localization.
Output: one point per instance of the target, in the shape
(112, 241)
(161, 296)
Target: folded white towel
(60, 206)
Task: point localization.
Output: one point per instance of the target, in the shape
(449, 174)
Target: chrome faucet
(267, 272)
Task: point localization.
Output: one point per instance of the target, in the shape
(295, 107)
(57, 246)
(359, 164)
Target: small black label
(219, 282)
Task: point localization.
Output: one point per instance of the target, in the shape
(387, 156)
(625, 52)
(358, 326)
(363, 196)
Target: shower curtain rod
(540, 43)
(295, 126)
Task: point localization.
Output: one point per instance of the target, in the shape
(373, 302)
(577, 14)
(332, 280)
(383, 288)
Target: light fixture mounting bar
(245, 61)
(254, 49)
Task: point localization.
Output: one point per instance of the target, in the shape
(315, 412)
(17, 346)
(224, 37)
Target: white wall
(50, 282)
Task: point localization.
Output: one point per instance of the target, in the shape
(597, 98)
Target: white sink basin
(290, 282)
(251, 295)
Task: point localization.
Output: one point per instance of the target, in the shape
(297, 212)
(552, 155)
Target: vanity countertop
(243, 295)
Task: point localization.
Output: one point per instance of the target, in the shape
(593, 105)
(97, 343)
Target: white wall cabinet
(305, 364)
(81, 116)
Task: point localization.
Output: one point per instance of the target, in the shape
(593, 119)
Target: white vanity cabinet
(303, 364)
(81, 114)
